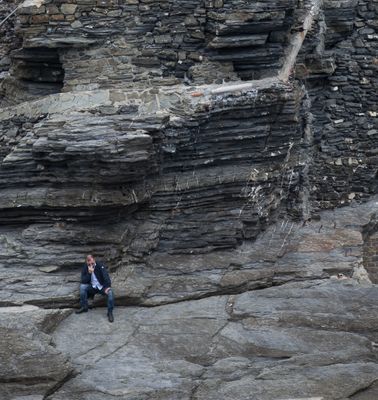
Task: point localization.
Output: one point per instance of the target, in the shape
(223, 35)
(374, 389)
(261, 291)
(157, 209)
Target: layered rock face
(195, 147)
(8, 38)
(109, 178)
(129, 172)
(156, 42)
(342, 89)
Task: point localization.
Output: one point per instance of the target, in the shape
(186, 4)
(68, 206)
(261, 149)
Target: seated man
(95, 279)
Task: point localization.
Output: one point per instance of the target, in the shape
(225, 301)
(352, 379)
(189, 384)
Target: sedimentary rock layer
(137, 176)
(193, 146)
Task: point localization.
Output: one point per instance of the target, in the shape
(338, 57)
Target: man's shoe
(110, 317)
(81, 310)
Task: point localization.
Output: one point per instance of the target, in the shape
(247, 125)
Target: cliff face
(193, 146)
(132, 43)
(342, 89)
(135, 167)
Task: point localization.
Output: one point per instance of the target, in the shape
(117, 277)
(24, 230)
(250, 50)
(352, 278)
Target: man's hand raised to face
(91, 268)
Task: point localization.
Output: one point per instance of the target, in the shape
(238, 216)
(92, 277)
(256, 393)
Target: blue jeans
(87, 290)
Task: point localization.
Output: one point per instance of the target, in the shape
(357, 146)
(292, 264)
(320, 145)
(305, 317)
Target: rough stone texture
(115, 166)
(286, 251)
(8, 39)
(29, 364)
(142, 43)
(370, 255)
(294, 341)
(310, 334)
(159, 41)
(135, 132)
(341, 62)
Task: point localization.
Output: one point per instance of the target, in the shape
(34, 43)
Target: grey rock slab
(282, 342)
(340, 306)
(30, 365)
(31, 318)
(329, 382)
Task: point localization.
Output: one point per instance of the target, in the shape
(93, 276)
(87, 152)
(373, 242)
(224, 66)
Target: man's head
(90, 260)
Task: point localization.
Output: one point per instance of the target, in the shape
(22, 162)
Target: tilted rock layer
(194, 146)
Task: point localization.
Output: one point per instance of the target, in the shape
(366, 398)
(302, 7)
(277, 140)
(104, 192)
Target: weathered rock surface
(340, 63)
(139, 174)
(158, 42)
(334, 243)
(29, 364)
(310, 339)
(286, 251)
(194, 146)
(117, 170)
(310, 334)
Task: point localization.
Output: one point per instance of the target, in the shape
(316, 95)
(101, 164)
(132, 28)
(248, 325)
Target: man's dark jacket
(101, 273)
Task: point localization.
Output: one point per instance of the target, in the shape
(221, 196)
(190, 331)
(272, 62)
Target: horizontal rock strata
(184, 174)
(159, 41)
(202, 150)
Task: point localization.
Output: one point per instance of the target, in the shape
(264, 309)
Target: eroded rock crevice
(38, 71)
